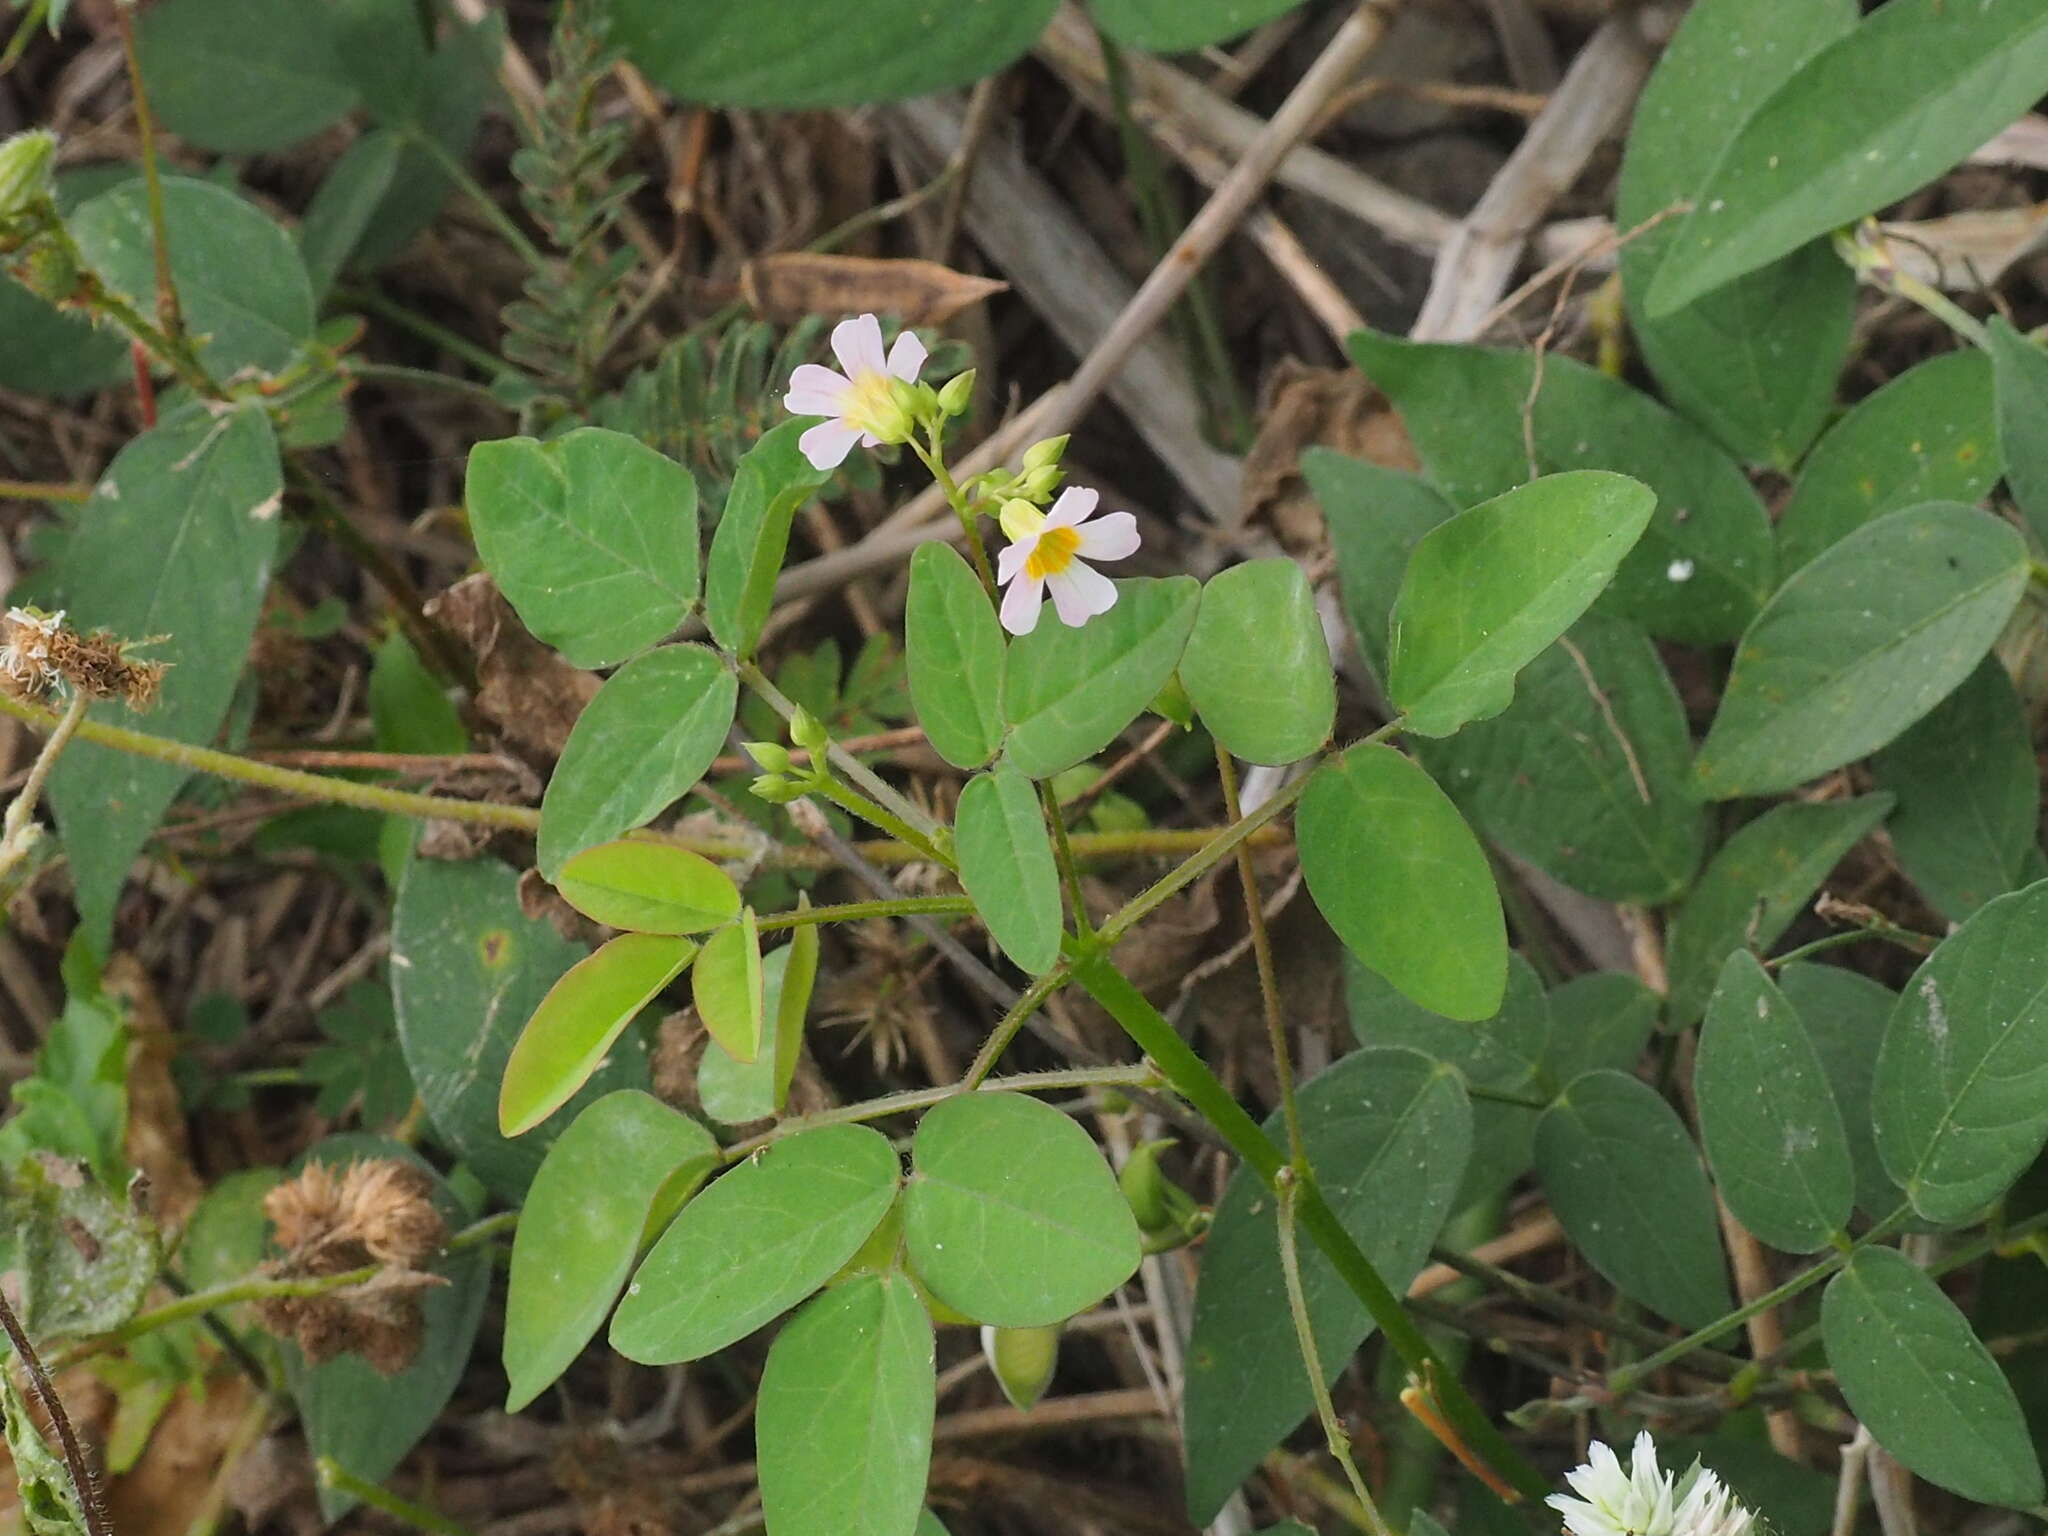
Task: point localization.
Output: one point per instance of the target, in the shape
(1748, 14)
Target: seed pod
(1023, 1360)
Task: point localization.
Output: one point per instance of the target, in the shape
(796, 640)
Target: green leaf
(51, 351)
(1626, 1183)
(772, 479)
(1587, 775)
(954, 647)
(1928, 435)
(793, 1004)
(649, 887)
(1376, 517)
(80, 1257)
(45, 1494)
(580, 1020)
(1257, 665)
(754, 1244)
(642, 742)
(242, 76)
(1755, 364)
(1006, 865)
(1182, 26)
(1602, 1019)
(1876, 115)
(591, 536)
(727, 987)
(1070, 691)
(2020, 372)
(1704, 563)
(1402, 880)
(408, 707)
(1768, 1119)
(1011, 1215)
(1844, 1013)
(364, 1061)
(900, 48)
(1961, 1093)
(1760, 880)
(1969, 793)
(616, 1173)
(468, 969)
(1387, 1132)
(1924, 1384)
(239, 279)
(346, 203)
(1860, 644)
(735, 1092)
(177, 540)
(845, 1418)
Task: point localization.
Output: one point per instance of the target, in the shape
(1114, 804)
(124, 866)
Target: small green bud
(1046, 452)
(770, 756)
(1038, 484)
(807, 731)
(46, 270)
(1173, 702)
(775, 789)
(1023, 1360)
(957, 393)
(25, 162)
(1144, 1185)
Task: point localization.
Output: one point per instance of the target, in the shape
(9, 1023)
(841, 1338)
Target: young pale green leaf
(1011, 1215)
(772, 480)
(1754, 363)
(1860, 644)
(1625, 1180)
(1928, 435)
(1402, 880)
(1768, 1119)
(618, 1171)
(177, 541)
(1601, 1020)
(1490, 590)
(1182, 26)
(1387, 1132)
(1704, 563)
(1006, 865)
(579, 1020)
(1257, 666)
(793, 1003)
(242, 76)
(1587, 775)
(1758, 881)
(345, 203)
(1844, 1013)
(592, 536)
(1376, 517)
(754, 1244)
(1069, 691)
(728, 989)
(2020, 372)
(468, 969)
(1871, 117)
(1912, 1370)
(1961, 1093)
(648, 736)
(1969, 793)
(649, 887)
(954, 649)
(735, 1092)
(845, 1418)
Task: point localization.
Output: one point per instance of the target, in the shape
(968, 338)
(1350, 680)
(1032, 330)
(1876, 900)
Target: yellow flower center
(1053, 553)
(871, 407)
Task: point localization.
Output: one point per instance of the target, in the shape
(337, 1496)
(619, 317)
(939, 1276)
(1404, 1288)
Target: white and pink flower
(861, 404)
(1048, 553)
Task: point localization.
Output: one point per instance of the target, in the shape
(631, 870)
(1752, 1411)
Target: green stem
(857, 804)
(424, 378)
(43, 490)
(1063, 855)
(1881, 928)
(861, 911)
(477, 357)
(1269, 981)
(935, 461)
(18, 833)
(998, 1041)
(168, 314)
(334, 1475)
(474, 190)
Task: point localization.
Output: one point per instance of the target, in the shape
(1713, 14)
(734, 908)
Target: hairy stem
(168, 314)
(18, 833)
(83, 1484)
(333, 1474)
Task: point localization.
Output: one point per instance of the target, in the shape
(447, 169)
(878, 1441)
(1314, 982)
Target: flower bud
(1038, 484)
(956, 394)
(1022, 1360)
(25, 161)
(775, 789)
(770, 756)
(1144, 1184)
(1046, 452)
(47, 270)
(807, 731)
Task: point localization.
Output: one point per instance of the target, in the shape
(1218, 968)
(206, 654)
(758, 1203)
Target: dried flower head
(38, 653)
(25, 636)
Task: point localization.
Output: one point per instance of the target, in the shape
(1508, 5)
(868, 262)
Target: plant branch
(83, 1484)
(18, 833)
(168, 314)
(1269, 988)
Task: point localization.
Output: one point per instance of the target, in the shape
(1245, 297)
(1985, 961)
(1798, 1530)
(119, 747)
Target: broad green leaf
(2020, 374)
(771, 481)
(1602, 1019)
(1768, 1119)
(725, 57)
(1376, 517)
(617, 1173)
(177, 541)
(346, 202)
(1625, 1180)
(649, 887)
(240, 282)
(1860, 644)
(592, 536)
(580, 1020)
(1011, 1214)
(727, 987)
(1257, 666)
(1402, 880)
(641, 743)
(1755, 363)
(1925, 1385)
(242, 76)
(1181, 26)
(754, 1244)
(1866, 120)
(1928, 435)
(845, 1418)
(1969, 793)
(1844, 1013)
(51, 351)
(1587, 775)
(1068, 692)
(468, 969)
(409, 709)
(382, 48)
(1006, 865)
(1961, 1093)
(1704, 563)
(79, 1256)
(954, 648)
(1753, 887)
(1387, 1133)
(735, 1092)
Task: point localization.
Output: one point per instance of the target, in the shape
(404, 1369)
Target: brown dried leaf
(524, 689)
(157, 1143)
(791, 284)
(171, 1484)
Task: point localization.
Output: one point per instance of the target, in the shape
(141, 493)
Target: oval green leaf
(1845, 1013)
(1182, 26)
(953, 646)
(242, 76)
(2020, 373)
(649, 887)
(734, 1092)
(1376, 517)
(728, 989)
(793, 1003)
(771, 481)
(1006, 865)
(1257, 666)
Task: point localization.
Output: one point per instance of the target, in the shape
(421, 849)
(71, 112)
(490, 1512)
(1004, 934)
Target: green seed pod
(956, 393)
(1023, 1360)
(1145, 1185)
(25, 163)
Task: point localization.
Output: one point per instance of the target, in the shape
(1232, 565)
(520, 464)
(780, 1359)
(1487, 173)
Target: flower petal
(1073, 506)
(815, 390)
(1111, 537)
(1021, 604)
(828, 443)
(857, 343)
(906, 357)
(1080, 592)
(1011, 559)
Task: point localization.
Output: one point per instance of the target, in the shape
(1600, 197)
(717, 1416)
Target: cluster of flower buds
(1166, 1213)
(782, 779)
(1038, 475)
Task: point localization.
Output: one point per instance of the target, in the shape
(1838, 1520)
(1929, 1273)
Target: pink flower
(861, 403)
(1045, 555)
